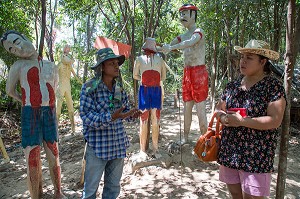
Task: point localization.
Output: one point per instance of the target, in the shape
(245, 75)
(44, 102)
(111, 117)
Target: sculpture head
(150, 45)
(188, 15)
(67, 49)
(18, 44)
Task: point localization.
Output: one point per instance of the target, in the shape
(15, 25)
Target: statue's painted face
(18, 46)
(186, 18)
(67, 49)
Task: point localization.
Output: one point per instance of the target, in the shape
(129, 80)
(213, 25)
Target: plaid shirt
(108, 138)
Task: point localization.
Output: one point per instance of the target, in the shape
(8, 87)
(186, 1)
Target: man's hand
(137, 113)
(119, 114)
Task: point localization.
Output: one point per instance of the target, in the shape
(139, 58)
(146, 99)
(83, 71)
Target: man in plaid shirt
(103, 106)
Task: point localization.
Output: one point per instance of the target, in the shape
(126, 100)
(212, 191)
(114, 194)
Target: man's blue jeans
(94, 169)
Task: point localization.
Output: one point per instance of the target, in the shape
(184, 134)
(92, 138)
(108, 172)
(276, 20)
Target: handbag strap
(219, 125)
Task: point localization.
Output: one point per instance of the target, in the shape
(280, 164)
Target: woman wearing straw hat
(250, 134)
(103, 106)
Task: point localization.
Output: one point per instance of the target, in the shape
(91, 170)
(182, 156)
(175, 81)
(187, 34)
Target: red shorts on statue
(195, 83)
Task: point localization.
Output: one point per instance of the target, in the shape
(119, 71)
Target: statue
(38, 81)
(150, 70)
(3, 151)
(64, 86)
(195, 78)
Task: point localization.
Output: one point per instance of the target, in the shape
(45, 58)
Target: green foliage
(6, 102)
(13, 17)
(175, 62)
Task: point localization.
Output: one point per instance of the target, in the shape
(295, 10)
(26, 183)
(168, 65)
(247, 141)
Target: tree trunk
(36, 22)
(52, 33)
(228, 48)
(88, 39)
(297, 34)
(213, 74)
(44, 11)
(275, 40)
(290, 58)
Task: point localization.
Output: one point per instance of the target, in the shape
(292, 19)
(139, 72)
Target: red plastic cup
(242, 111)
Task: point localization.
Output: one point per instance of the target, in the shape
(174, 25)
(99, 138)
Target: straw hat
(106, 54)
(150, 45)
(258, 47)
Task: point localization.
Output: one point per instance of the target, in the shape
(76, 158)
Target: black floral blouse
(244, 148)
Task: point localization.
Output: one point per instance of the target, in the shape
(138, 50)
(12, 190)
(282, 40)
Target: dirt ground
(179, 175)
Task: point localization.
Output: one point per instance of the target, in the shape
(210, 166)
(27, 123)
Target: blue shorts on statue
(38, 124)
(149, 97)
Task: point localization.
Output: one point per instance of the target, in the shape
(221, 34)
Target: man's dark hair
(4, 36)
(267, 66)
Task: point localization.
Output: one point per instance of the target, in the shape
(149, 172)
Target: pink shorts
(255, 184)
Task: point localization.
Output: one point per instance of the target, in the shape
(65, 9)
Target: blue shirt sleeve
(89, 113)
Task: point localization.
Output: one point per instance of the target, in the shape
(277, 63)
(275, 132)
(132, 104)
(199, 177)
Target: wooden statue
(64, 87)
(195, 78)
(150, 70)
(38, 81)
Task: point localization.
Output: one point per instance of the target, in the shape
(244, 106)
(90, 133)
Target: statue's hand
(166, 48)
(159, 48)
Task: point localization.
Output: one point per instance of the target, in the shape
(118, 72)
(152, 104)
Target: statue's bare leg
(162, 94)
(34, 170)
(54, 167)
(3, 150)
(201, 113)
(144, 131)
(187, 113)
(60, 98)
(70, 109)
(155, 115)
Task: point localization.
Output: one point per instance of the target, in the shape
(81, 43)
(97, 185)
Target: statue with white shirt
(195, 78)
(150, 70)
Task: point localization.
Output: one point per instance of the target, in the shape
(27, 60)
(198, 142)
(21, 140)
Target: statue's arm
(12, 81)
(196, 37)
(74, 74)
(175, 41)
(167, 47)
(163, 70)
(56, 69)
(136, 70)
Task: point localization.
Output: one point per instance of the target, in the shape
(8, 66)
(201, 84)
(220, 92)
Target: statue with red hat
(195, 77)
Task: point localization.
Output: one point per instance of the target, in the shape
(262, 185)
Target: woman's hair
(267, 66)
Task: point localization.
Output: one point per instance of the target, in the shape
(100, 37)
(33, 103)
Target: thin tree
(44, 11)
(292, 37)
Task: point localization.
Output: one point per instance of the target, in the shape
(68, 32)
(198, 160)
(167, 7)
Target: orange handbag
(207, 146)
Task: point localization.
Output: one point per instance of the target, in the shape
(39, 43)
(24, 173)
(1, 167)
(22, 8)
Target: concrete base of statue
(142, 159)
